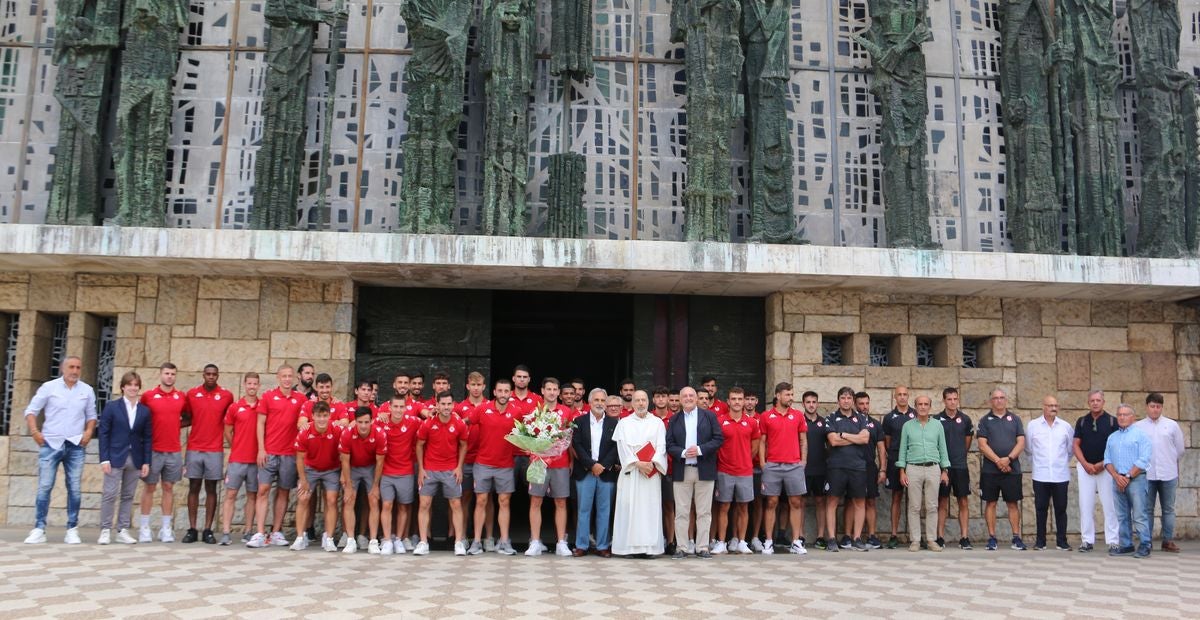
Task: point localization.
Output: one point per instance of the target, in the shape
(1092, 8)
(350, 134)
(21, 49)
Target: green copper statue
(1088, 73)
(279, 161)
(507, 64)
(144, 112)
(1166, 121)
(1033, 154)
(86, 34)
(765, 36)
(571, 38)
(714, 66)
(565, 217)
(434, 74)
(571, 60)
(894, 42)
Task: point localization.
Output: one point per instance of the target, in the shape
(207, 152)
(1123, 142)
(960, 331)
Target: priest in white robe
(638, 512)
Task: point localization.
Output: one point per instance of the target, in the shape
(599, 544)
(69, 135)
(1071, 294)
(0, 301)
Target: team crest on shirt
(911, 415)
(158, 395)
(175, 395)
(959, 420)
(451, 428)
(329, 436)
(791, 417)
(217, 397)
(870, 425)
(1008, 418)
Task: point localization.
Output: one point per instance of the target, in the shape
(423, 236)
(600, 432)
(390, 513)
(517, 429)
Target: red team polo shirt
(782, 434)
(340, 414)
(166, 418)
(463, 410)
(283, 412)
(320, 450)
(530, 402)
(401, 444)
(719, 407)
(243, 417)
(363, 451)
(494, 449)
(412, 407)
(208, 414)
(734, 457)
(564, 459)
(441, 442)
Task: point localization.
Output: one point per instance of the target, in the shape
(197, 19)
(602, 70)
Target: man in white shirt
(1166, 448)
(1049, 442)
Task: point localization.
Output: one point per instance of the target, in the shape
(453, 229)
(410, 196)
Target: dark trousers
(1043, 493)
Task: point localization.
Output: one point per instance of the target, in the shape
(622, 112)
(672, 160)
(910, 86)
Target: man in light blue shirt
(1127, 457)
(69, 406)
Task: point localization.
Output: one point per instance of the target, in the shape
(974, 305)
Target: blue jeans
(594, 491)
(1131, 513)
(71, 458)
(1164, 490)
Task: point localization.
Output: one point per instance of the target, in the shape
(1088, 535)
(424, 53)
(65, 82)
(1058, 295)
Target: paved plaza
(201, 581)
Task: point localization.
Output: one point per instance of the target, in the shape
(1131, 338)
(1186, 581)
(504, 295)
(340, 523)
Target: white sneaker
(373, 547)
(562, 549)
(278, 539)
(351, 546)
(460, 548)
(399, 548)
(742, 547)
(327, 543)
(124, 538)
(105, 537)
(301, 542)
(797, 548)
(412, 542)
(386, 548)
(535, 548)
(342, 540)
(36, 536)
(718, 548)
(423, 549)
(691, 547)
(756, 545)
(489, 545)
(361, 541)
(504, 547)
(257, 541)
(72, 536)
(768, 547)
(144, 535)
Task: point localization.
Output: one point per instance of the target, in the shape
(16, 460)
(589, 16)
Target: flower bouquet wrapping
(544, 434)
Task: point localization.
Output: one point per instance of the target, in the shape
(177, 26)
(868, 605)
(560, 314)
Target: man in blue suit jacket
(693, 438)
(595, 474)
(124, 456)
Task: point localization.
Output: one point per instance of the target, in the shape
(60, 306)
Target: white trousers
(1089, 486)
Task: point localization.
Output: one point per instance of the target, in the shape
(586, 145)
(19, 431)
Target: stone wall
(1031, 348)
(239, 324)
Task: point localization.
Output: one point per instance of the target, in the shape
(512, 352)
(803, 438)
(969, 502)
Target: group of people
(648, 472)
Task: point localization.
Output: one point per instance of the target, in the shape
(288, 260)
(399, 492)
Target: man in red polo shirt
(340, 415)
(205, 450)
(363, 397)
(781, 452)
(557, 484)
(495, 463)
(521, 394)
(709, 383)
(735, 473)
(278, 415)
(168, 412)
(363, 450)
(441, 383)
(397, 483)
(475, 387)
(661, 400)
(316, 459)
(441, 449)
(241, 421)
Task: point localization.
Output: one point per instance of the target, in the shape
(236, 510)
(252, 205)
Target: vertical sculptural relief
(280, 159)
(765, 36)
(894, 42)
(148, 65)
(714, 65)
(571, 60)
(86, 34)
(434, 75)
(1166, 123)
(1029, 96)
(507, 64)
(571, 38)
(1089, 72)
(565, 217)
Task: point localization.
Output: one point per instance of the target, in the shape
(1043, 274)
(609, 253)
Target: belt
(691, 464)
(929, 464)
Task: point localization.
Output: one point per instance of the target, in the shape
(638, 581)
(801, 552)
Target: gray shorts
(362, 476)
(206, 465)
(330, 479)
(558, 484)
(397, 488)
(238, 474)
(165, 466)
(787, 478)
(734, 488)
(498, 479)
(443, 480)
(281, 469)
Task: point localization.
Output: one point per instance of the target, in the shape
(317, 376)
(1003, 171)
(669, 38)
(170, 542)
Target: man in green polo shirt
(923, 461)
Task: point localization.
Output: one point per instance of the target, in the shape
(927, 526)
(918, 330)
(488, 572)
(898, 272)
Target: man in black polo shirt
(873, 452)
(815, 469)
(892, 423)
(846, 468)
(959, 433)
(1091, 436)
(1001, 441)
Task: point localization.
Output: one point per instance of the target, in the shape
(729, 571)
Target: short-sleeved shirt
(494, 449)
(870, 449)
(320, 449)
(208, 416)
(243, 417)
(529, 403)
(782, 431)
(363, 451)
(846, 457)
(957, 430)
(893, 422)
(340, 414)
(1001, 432)
(1093, 433)
(283, 412)
(166, 418)
(735, 457)
(818, 452)
(464, 410)
(401, 444)
(719, 407)
(441, 442)
(412, 407)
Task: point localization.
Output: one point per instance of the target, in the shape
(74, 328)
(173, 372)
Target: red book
(647, 454)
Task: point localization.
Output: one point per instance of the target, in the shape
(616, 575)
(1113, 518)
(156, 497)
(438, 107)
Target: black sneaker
(859, 545)
(1063, 547)
(670, 549)
(1086, 547)
(191, 536)
(874, 542)
(678, 555)
(311, 534)
(893, 542)
(1039, 546)
(704, 554)
(846, 542)
(941, 541)
(208, 538)
(831, 547)
(820, 543)
(965, 544)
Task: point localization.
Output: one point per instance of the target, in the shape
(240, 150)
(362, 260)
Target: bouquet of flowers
(544, 434)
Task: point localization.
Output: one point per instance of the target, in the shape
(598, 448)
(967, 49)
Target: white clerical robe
(637, 524)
